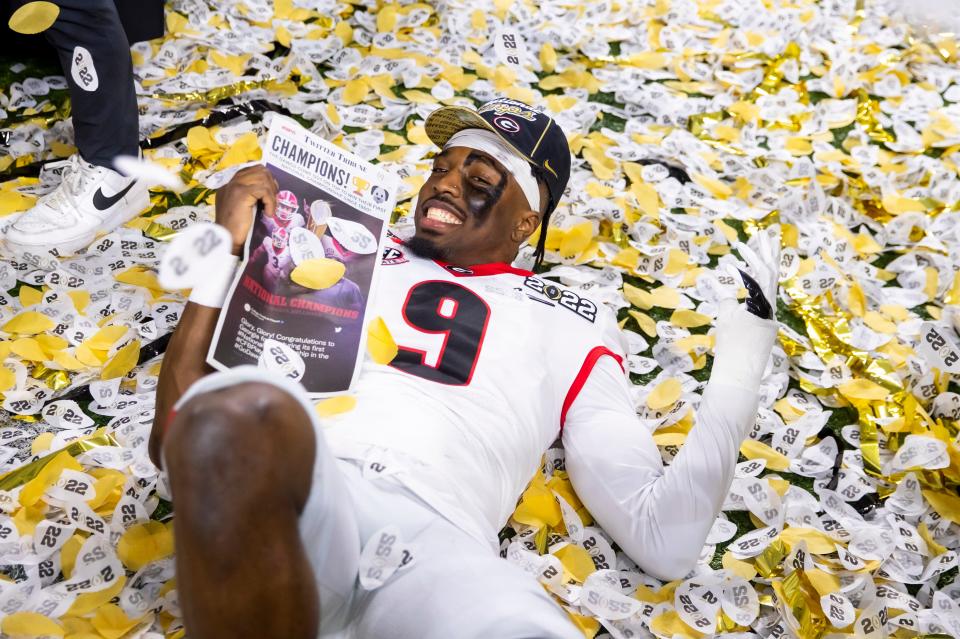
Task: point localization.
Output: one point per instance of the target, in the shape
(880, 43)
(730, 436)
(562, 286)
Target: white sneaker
(89, 199)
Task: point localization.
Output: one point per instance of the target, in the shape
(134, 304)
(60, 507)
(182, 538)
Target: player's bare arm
(185, 361)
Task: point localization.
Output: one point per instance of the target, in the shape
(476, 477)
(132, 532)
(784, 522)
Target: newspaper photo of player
(304, 281)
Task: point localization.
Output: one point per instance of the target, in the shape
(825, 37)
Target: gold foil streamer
(867, 110)
(830, 337)
(773, 76)
(20, 476)
(215, 95)
(768, 562)
(55, 379)
(159, 232)
(799, 597)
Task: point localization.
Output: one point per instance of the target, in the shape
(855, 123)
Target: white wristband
(743, 345)
(212, 291)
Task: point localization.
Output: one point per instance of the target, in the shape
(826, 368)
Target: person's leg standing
(95, 56)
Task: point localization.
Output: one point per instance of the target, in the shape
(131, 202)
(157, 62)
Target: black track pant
(95, 57)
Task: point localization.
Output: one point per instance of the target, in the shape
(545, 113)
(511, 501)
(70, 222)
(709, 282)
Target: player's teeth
(442, 215)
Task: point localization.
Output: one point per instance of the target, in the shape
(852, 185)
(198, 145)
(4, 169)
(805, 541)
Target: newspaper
(298, 304)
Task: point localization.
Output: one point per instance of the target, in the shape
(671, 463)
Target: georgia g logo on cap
(507, 124)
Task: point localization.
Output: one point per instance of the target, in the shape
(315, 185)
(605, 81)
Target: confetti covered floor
(831, 120)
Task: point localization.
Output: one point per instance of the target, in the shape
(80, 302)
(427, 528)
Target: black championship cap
(534, 135)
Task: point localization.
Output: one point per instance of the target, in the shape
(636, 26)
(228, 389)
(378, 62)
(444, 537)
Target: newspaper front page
(298, 305)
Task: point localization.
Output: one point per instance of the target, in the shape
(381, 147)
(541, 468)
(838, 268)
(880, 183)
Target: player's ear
(526, 224)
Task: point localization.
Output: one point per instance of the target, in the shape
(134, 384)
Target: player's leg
(252, 481)
(457, 587)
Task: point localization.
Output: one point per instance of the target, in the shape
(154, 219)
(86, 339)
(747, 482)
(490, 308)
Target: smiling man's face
(471, 210)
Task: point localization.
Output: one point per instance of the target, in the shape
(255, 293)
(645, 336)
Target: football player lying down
(274, 505)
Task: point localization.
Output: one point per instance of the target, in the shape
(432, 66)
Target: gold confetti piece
(244, 149)
(41, 444)
(669, 439)
(677, 262)
(648, 200)
(879, 323)
(235, 63)
(862, 389)
(602, 165)
(7, 378)
(29, 296)
(418, 135)
(13, 202)
(111, 622)
(140, 276)
(34, 17)
(380, 343)
(88, 602)
(89, 357)
(318, 273)
(28, 323)
(823, 582)
(897, 204)
(638, 297)
(51, 343)
(144, 543)
(665, 297)
(123, 362)
(202, 145)
(68, 555)
(685, 318)
(344, 31)
(106, 337)
(817, 542)
(716, 187)
(336, 405)
(752, 449)
(669, 624)
(576, 239)
(24, 625)
(548, 57)
(576, 561)
(665, 394)
(799, 146)
(587, 625)
(538, 507)
(645, 322)
(28, 349)
(45, 478)
(78, 628)
(355, 91)
(935, 548)
(738, 566)
(946, 504)
(26, 519)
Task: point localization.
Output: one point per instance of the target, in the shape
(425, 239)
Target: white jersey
(491, 358)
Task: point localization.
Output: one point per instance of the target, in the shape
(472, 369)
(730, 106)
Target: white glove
(745, 334)
(762, 255)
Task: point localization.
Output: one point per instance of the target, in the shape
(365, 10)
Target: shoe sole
(133, 206)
